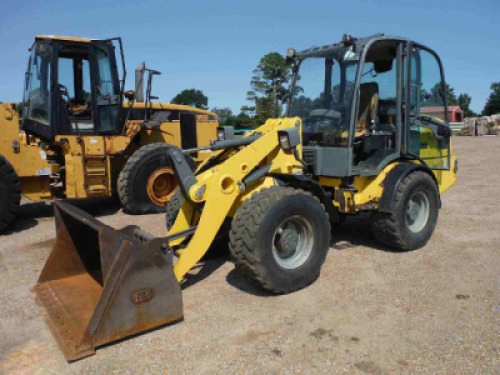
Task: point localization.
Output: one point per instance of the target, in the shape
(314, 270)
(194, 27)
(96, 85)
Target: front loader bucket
(100, 284)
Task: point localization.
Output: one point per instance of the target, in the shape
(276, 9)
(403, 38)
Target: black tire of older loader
(391, 230)
(219, 246)
(253, 236)
(10, 193)
(135, 177)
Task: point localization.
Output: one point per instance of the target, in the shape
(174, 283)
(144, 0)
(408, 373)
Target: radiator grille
(309, 156)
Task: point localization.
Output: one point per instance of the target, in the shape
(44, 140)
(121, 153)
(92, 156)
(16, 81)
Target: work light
(221, 134)
(289, 138)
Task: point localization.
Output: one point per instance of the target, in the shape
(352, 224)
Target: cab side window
(431, 93)
(429, 132)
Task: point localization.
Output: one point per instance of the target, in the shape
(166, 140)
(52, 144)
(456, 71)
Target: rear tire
(415, 215)
(279, 239)
(147, 180)
(10, 193)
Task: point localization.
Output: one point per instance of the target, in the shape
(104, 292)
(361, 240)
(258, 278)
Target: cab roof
(170, 106)
(66, 38)
(347, 41)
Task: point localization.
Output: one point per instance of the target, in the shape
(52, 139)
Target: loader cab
(362, 103)
(72, 88)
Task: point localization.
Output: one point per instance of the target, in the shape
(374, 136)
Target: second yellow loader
(78, 138)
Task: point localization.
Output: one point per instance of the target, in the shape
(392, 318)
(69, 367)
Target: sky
(213, 46)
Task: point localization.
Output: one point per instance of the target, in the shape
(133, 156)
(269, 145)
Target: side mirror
(130, 95)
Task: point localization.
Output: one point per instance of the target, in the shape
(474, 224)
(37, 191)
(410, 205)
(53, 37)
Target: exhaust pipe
(139, 83)
(100, 285)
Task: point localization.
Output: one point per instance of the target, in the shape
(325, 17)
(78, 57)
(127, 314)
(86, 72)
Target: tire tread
(8, 173)
(245, 227)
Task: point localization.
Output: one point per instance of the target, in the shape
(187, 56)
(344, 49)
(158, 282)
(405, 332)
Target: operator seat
(368, 107)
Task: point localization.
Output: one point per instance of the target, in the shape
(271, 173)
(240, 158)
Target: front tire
(415, 215)
(10, 193)
(279, 239)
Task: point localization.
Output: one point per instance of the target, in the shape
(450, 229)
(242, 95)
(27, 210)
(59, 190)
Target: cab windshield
(37, 86)
(322, 97)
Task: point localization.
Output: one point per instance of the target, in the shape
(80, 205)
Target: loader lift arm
(100, 284)
(218, 190)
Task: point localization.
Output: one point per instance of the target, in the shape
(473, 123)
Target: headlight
(225, 133)
(289, 138)
(221, 134)
(284, 142)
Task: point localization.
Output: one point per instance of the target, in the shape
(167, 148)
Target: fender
(308, 184)
(394, 178)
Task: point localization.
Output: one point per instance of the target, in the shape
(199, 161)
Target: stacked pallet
(485, 125)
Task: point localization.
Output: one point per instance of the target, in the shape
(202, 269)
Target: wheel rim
(161, 185)
(293, 242)
(417, 212)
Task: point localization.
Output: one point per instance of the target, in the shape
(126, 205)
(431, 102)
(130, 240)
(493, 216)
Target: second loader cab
(72, 87)
(363, 103)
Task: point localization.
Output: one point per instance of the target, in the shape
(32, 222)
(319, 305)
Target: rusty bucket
(100, 284)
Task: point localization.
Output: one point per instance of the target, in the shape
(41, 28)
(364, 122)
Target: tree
(225, 115)
(268, 85)
(452, 98)
(464, 100)
(191, 97)
(435, 97)
(492, 106)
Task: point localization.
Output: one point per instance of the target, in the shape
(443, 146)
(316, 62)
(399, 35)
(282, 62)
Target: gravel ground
(372, 311)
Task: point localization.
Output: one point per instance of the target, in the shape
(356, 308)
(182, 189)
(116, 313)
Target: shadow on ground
(31, 212)
(353, 232)
(203, 270)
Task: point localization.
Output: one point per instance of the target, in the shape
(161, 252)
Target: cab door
(106, 88)
(429, 133)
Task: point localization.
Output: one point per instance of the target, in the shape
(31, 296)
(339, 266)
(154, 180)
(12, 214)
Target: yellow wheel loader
(79, 139)
(354, 140)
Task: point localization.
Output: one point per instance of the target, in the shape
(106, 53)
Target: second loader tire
(279, 239)
(147, 181)
(10, 193)
(415, 215)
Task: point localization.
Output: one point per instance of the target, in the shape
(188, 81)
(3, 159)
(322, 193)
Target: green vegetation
(269, 85)
(493, 103)
(192, 97)
(463, 102)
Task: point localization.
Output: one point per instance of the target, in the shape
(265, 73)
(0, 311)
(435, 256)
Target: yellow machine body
(92, 162)
(222, 197)
(100, 267)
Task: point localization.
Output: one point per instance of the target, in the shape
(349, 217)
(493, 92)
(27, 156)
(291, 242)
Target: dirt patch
(30, 359)
(371, 311)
